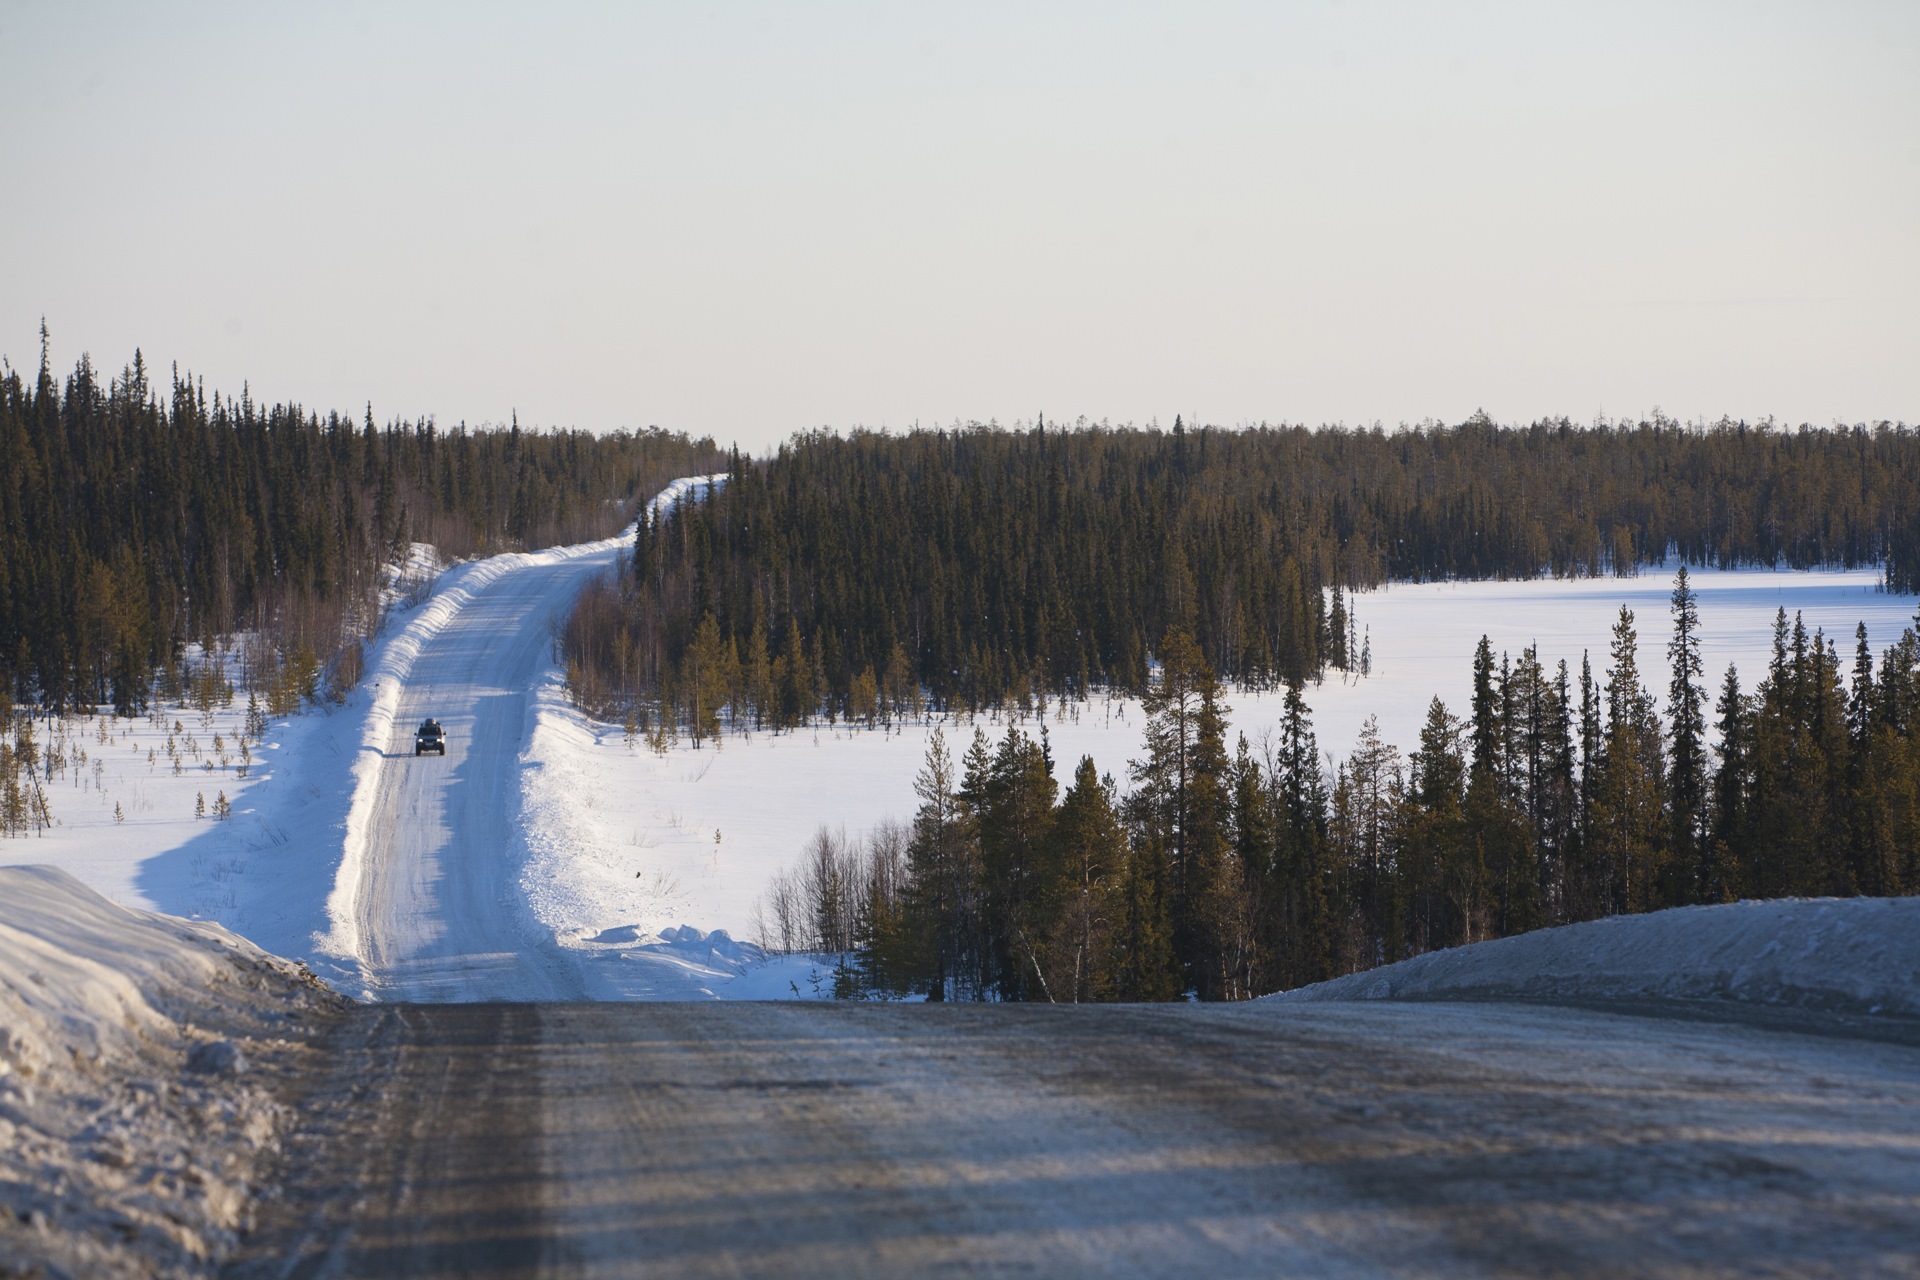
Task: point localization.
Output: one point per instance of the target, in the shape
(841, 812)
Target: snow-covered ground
(134, 1119)
(146, 835)
(1851, 955)
(390, 876)
(629, 841)
(658, 905)
(1424, 635)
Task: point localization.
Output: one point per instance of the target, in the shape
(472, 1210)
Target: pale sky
(751, 219)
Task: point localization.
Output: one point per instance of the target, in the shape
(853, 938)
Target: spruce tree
(940, 912)
(1145, 965)
(1256, 851)
(1011, 796)
(1486, 711)
(1687, 772)
(1091, 855)
(1629, 823)
(1585, 885)
(1300, 794)
(1727, 878)
(1183, 802)
(1440, 887)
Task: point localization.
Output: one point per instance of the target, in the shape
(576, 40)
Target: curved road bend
(615, 1140)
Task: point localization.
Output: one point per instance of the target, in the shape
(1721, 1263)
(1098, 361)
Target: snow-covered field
(128, 824)
(631, 841)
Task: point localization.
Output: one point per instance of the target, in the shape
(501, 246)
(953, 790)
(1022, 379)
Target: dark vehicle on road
(430, 737)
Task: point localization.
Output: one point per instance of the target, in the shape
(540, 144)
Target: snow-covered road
(437, 913)
(429, 901)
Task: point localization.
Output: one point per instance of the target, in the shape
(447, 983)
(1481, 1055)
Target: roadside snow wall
(135, 1055)
(1842, 955)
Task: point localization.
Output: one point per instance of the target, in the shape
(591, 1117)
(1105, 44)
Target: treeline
(1232, 872)
(136, 518)
(983, 563)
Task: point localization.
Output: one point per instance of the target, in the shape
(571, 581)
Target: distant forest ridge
(138, 516)
(977, 563)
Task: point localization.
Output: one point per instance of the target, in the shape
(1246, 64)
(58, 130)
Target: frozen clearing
(629, 842)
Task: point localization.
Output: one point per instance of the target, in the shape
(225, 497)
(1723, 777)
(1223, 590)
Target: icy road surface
(1375, 1139)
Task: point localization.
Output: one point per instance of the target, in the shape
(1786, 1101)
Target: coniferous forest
(874, 576)
(138, 516)
(853, 577)
(847, 575)
(1229, 871)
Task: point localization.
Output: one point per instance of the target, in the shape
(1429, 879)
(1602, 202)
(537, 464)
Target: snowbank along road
(139, 1056)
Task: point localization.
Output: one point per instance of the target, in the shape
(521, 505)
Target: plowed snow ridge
(1852, 955)
(131, 1128)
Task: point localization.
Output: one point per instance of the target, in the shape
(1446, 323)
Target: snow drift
(132, 1121)
(1839, 955)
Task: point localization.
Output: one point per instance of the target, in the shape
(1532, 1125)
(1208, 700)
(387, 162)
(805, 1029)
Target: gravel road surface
(589, 1140)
